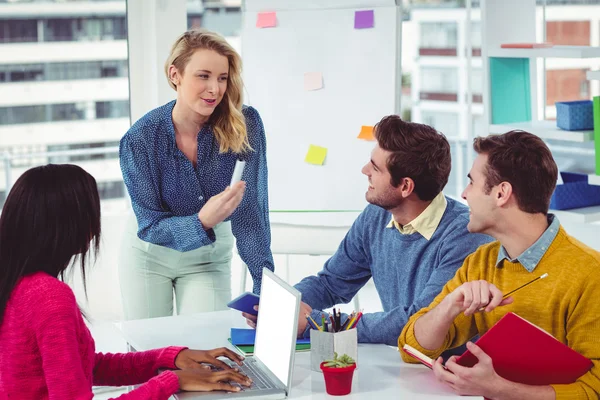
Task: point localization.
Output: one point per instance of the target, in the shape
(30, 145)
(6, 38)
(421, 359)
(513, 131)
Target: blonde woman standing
(177, 162)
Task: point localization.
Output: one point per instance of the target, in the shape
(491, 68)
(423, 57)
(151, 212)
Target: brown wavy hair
(419, 152)
(523, 160)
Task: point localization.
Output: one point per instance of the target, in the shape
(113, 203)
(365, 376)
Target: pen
(333, 326)
(521, 287)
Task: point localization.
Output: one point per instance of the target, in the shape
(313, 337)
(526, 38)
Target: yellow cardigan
(566, 304)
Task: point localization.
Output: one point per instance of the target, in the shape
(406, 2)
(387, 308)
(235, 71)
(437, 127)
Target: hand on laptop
(304, 309)
(193, 359)
(203, 380)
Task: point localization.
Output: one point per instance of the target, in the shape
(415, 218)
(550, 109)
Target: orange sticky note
(366, 133)
(316, 155)
(313, 81)
(266, 20)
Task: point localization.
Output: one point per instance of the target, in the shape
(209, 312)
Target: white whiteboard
(361, 84)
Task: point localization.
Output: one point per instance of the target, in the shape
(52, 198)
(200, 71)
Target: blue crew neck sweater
(408, 270)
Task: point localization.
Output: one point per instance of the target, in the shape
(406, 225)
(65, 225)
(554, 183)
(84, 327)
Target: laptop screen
(276, 328)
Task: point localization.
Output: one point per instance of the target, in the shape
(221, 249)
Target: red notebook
(524, 353)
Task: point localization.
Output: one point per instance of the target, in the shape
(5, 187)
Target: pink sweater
(47, 351)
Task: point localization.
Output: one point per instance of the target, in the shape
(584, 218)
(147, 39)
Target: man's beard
(387, 200)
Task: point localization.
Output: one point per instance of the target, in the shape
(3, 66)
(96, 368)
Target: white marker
(237, 172)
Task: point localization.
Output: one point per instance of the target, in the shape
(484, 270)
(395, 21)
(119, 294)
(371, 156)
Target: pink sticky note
(266, 20)
(313, 81)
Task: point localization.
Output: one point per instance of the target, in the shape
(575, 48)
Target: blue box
(575, 192)
(575, 115)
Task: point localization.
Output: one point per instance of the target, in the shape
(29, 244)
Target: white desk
(381, 373)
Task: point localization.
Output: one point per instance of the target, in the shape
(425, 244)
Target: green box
(597, 132)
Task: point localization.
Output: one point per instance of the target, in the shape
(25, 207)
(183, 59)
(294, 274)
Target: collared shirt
(427, 222)
(167, 190)
(531, 257)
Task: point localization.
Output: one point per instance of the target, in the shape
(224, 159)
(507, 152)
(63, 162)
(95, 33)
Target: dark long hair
(49, 220)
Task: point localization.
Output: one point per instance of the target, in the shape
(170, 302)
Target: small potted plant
(338, 374)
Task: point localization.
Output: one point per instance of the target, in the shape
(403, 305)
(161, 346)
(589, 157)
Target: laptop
(271, 367)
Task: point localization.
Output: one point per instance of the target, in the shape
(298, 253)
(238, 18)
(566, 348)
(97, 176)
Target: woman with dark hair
(49, 220)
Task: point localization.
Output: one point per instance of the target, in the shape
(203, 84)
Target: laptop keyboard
(251, 369)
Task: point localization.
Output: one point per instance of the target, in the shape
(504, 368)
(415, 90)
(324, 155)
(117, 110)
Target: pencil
(520, 287)
(313, 322)
(350, 324)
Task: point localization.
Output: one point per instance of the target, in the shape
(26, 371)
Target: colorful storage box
(575, 115)
(574, 192)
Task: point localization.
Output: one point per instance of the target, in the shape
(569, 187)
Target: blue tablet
(245, 302)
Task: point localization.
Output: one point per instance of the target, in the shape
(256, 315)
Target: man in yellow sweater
(511, 182)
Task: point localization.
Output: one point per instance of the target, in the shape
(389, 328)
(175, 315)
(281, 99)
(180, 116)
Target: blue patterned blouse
(167, 191)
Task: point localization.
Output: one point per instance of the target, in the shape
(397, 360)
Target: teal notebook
(510, 90)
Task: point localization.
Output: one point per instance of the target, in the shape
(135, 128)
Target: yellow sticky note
(316, 155)
(366, 133)
(266, 20)
(313, 81)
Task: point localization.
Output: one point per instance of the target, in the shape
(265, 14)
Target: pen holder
(324, 344)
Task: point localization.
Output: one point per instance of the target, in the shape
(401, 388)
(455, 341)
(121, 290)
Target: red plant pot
(338, 381)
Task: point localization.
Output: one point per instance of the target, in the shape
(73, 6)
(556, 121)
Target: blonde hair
(228, 122)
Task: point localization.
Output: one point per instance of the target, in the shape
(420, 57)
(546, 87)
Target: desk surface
(381, 373)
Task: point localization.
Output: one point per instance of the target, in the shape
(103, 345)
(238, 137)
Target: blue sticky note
(364, 19)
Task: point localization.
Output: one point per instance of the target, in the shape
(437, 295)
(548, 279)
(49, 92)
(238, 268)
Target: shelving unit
(545, 130)
(581, 215)
(547, 52)
(511, 89)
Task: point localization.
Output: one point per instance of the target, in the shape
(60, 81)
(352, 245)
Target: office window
(22, 114)
(24, 72)
(112, 109)
(476, 38)
(438, 83)
(445, 122)
(477, 84)
(225, 19)
(18, 30)
(69, 29)
(67, 112)
(478, 125)
(79, 146)
(63, 120)
(58, 30)
(438, 38)
(111, 190)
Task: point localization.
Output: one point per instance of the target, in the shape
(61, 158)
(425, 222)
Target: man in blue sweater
(411, 238)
